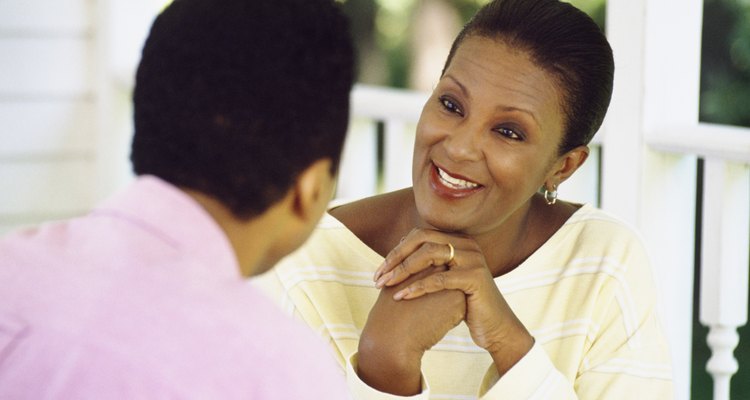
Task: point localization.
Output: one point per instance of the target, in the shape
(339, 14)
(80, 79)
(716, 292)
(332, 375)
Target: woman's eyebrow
(502, 108)
(459, 84)
(521, 110)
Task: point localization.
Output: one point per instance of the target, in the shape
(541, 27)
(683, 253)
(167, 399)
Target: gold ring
(452, 253)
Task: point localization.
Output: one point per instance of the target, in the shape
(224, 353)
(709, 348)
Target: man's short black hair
(234, 98)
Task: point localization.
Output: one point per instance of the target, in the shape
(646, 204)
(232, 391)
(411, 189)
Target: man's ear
(566, 165)
(313, 189)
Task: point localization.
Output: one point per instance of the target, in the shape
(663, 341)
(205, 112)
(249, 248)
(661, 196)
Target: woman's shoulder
(377, 220)
(595, 221)
(592, 231)
(591, 241)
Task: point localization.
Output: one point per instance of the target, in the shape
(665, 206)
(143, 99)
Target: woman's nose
(464, 143)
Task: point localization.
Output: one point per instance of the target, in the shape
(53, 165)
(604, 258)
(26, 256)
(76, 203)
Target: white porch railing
(726, 211)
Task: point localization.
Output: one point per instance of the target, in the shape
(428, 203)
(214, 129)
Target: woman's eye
(450, 105)
(509, 133)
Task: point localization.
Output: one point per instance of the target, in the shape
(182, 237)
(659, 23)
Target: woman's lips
(449, 185)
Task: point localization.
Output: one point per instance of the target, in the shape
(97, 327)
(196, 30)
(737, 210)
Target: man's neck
(251, 240)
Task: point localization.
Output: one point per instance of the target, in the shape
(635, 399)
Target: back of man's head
(234, 98)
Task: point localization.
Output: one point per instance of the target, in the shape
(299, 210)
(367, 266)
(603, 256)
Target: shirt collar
(172, 216)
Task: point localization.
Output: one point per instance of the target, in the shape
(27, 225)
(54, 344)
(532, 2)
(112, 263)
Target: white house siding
(47, 110)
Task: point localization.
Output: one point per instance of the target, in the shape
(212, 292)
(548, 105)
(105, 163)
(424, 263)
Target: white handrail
(724, 142)
(383, 103)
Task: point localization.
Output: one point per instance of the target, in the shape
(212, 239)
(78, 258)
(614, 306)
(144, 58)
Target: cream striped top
(587, 296)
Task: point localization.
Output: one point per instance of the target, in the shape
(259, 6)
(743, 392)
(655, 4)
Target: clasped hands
(428, 287)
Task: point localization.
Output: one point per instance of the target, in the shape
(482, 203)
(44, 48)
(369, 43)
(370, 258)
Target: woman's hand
(456, 262)
(398, 333)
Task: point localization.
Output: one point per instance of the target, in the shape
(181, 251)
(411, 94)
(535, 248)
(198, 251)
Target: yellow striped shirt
(587, 296)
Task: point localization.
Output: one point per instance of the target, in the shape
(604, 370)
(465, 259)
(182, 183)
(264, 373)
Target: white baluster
(724, 266)
(722, 365)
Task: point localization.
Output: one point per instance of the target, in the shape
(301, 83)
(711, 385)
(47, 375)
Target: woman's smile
(451, 185)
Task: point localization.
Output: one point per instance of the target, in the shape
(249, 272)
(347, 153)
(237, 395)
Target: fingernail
(400, 294)
(383, 280)
(378, 272)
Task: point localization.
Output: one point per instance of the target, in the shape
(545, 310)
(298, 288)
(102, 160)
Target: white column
(657, 58)
(584, 185)
(724, 265)
(622, 141)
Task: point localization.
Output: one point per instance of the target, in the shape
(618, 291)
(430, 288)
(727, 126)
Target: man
(241, 108)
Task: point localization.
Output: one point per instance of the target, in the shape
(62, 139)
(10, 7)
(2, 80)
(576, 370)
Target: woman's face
(487, 138)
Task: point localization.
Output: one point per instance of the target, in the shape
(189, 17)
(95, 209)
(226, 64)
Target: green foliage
(725, 63)
(381, 30)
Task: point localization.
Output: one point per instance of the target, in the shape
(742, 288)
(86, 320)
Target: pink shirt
(143, 299)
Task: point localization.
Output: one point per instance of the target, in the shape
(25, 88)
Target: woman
(488, 287)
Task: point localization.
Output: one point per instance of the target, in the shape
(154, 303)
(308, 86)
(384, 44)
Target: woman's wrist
(512, 349)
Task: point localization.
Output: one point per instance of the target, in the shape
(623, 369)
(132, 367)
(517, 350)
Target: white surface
(399, 151)
(46, 127)
(358, 168)
(52, 67)
(55, 186)
(657, 55)
(30, 17)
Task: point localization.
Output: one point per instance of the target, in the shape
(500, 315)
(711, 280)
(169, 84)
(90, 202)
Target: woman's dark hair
(235, 98)
(563, 40)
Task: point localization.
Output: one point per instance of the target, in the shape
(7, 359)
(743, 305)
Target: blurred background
(66, 74)
(403, 44)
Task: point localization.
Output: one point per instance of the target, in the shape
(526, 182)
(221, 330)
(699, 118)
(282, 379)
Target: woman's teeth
(455, 183)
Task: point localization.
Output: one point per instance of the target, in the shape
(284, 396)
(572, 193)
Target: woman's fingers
(404, 248)
(427, 255)
(466, 280)
(431, 284)
(437, 247)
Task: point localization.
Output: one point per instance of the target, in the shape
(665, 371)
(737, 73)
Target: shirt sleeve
(533, 376)
(628, 356)
(624, 374)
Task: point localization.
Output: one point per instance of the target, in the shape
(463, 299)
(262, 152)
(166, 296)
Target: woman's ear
(566, 165)
(313, 190)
